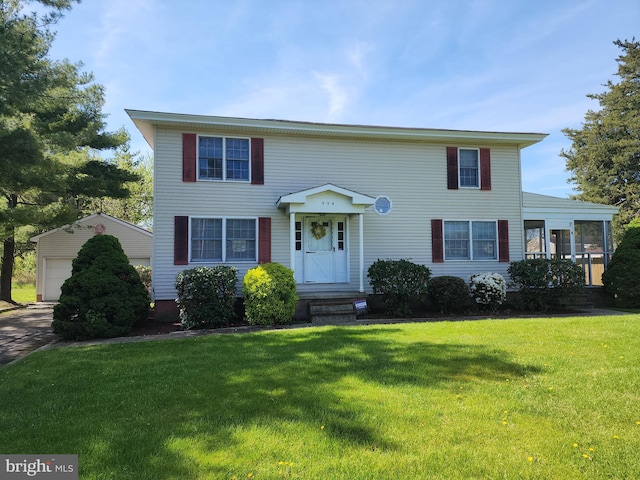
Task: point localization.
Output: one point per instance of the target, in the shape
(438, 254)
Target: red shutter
(503, 240)
(181, 241)
(264, 240)
(452, 168)
(485, 169)
(189, 157)
(257, 161)
(437, 243)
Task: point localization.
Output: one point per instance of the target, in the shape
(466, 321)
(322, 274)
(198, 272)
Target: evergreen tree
(605, 154)
(50, 123)
(137, 208)
(104, 296)
(620, 279)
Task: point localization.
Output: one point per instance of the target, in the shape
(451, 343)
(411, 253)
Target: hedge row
(540, 284)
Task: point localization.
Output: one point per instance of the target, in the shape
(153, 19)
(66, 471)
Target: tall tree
(605, 154)
(50, 121)
(137, 208)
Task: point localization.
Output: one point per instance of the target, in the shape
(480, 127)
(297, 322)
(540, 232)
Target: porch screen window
(464, 240)
(469, 167)
(223, 239)
(534, 234)
(594, 247)
(222, 158)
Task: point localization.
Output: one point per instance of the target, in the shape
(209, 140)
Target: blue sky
(495, 65)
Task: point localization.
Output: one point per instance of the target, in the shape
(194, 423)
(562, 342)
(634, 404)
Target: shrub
(269, 292)
(399, 281)
(206, 296)
(144, 272)
(449, 294)
(621, 279)
(24, 269)
(488, 290)
(543, 283)
(104, 296)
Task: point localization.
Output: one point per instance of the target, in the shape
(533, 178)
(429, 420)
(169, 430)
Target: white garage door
(56, 271)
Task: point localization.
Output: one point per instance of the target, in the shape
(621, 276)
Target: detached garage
(57, 248)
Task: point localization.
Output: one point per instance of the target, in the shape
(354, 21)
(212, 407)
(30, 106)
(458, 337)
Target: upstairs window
(221, 158)
(469, 168)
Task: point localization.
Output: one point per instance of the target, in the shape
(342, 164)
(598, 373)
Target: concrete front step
(332, 312)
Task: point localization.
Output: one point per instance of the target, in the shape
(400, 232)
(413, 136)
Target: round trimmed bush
(206, 296)
(399, 282)
(104, 296)
(449, 294)
(269, 292)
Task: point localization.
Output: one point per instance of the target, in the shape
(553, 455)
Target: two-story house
(328, 200)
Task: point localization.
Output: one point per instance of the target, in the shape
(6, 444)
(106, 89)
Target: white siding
(541, 207)
(411, 174)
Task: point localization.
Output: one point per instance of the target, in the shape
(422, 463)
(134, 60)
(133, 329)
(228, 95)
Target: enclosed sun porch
(569, 229)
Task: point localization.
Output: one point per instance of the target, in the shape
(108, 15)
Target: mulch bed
(151, 327)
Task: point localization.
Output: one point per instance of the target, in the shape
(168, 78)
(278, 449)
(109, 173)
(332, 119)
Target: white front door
(319, 250)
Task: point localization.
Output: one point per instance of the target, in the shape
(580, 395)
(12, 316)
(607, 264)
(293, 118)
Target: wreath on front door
(318, 231)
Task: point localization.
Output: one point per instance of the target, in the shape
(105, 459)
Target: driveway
(25, 330)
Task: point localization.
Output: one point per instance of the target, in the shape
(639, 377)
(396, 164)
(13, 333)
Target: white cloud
(337, 96)
(287, 97)
(298, 88)
(357, 56)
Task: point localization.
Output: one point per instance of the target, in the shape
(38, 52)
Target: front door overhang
(326, 199)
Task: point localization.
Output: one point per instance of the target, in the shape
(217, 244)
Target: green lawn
(515, 399)
(23, 293)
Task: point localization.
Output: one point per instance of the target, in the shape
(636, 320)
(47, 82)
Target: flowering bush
(488, 289)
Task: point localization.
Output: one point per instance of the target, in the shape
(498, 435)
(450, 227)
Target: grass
(531, 399)
(23, 293)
